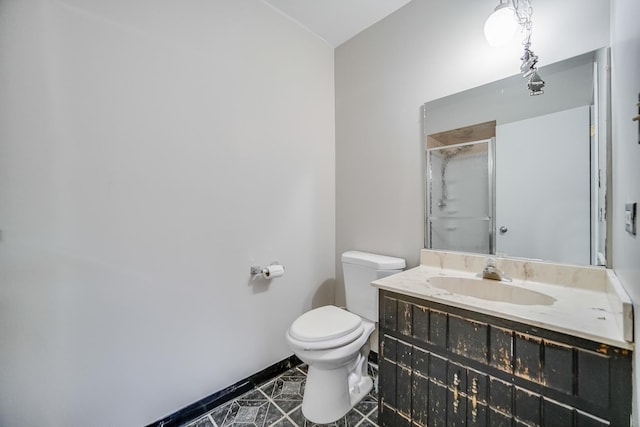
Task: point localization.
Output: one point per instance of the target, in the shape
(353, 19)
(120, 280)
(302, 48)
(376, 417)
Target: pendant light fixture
(501, 25)
(499, 29)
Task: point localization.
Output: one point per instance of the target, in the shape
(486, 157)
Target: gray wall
(429, 50)
(424, 51)
(150, 153)
(625, 82)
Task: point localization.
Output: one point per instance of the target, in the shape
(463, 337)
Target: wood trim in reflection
(475, 132)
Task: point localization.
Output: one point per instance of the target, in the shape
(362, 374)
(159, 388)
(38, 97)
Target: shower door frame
(491, 159)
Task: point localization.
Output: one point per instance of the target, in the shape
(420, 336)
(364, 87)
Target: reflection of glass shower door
(460, 197)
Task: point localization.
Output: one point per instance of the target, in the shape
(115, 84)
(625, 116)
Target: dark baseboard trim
(205, 405)
(373, 357)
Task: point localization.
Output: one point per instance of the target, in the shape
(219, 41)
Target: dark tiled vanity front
(445, 366)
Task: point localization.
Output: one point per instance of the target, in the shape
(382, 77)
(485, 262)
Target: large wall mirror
(523, 176)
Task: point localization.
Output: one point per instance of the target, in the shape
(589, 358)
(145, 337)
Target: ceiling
(336, 21)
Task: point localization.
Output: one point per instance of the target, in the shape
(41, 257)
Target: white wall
(625, 86)
(424, 51)
(150, 152)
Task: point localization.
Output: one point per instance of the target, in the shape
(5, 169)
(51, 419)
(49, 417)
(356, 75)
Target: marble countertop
(581, 301)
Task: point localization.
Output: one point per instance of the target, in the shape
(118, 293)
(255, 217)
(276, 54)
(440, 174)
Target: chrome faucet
(491, 271)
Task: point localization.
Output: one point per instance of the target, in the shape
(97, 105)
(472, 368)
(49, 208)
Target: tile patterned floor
(278, 404)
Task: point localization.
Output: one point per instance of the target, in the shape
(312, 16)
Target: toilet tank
(360, 269)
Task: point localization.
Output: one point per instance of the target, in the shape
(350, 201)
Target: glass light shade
(501, 26)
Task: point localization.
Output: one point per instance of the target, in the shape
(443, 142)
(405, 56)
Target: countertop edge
(619, 298)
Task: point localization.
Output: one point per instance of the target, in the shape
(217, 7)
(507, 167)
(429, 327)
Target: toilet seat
(325, 327)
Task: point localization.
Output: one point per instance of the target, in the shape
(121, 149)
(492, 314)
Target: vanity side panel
(388, 312)
(593, 378)
(403, 377)
(620, 385)
(420, 362)
(404, 352)
(388, 371)
(403, 390)
(405, 322)
(386, 416)
(389, 348)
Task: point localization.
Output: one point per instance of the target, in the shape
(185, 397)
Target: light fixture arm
(523, 12)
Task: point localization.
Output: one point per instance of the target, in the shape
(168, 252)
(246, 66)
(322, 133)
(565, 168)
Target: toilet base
(330, 394)
(337, 377)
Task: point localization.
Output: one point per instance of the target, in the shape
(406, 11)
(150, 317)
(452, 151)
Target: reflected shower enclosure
(460, 197)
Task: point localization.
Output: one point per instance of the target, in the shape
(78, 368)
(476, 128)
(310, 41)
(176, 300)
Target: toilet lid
(324, 323)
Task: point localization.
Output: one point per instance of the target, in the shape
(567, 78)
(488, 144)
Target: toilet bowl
(337, 366)
(334, 342)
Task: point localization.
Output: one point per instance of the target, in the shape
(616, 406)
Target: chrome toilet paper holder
(257, 270)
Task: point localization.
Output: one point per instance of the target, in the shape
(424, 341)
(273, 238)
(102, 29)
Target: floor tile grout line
(369, 421)
(285, 414)
(372, 411)
(236, 400)
(276, 421)
(212, 420)
(291, 421)
(360, 422)
(294, 409)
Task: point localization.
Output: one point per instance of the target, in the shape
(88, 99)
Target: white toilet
(335, 342)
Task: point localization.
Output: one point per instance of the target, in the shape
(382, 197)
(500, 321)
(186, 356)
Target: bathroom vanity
(551, 348)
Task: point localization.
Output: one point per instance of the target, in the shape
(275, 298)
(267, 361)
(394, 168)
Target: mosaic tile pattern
(278, 403)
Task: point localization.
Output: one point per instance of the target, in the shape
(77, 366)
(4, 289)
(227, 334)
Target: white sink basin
(490, 290)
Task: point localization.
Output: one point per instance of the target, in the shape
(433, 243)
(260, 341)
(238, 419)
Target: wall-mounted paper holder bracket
(258, 270)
